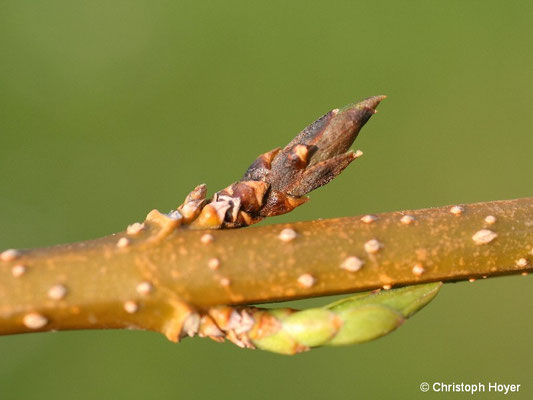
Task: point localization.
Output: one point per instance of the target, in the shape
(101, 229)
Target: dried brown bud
(328, 138)
(280, 203)
(251, 194)
(212, 215)
(248, 219)
(278, 181)
(323, 172)
(198, 193)
(261, 166)
(193, 204)
(234, 206)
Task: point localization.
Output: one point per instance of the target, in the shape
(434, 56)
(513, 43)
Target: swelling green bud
(356, 319)
(365, 323)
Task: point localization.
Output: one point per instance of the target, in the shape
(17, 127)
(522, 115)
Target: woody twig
(186, 272)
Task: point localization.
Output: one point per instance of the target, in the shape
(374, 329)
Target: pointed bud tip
(368, 103)
(372, 102)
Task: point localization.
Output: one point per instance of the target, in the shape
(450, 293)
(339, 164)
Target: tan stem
(155, 279)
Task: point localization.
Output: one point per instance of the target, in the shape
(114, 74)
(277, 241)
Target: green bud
(357, 319)
(341, 303)
(280, 342)
(407, 300)
(365, 323)
(312, 327)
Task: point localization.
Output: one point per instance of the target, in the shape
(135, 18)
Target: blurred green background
(110, 109)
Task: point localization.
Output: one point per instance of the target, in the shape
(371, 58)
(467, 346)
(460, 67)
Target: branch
(175, 272)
